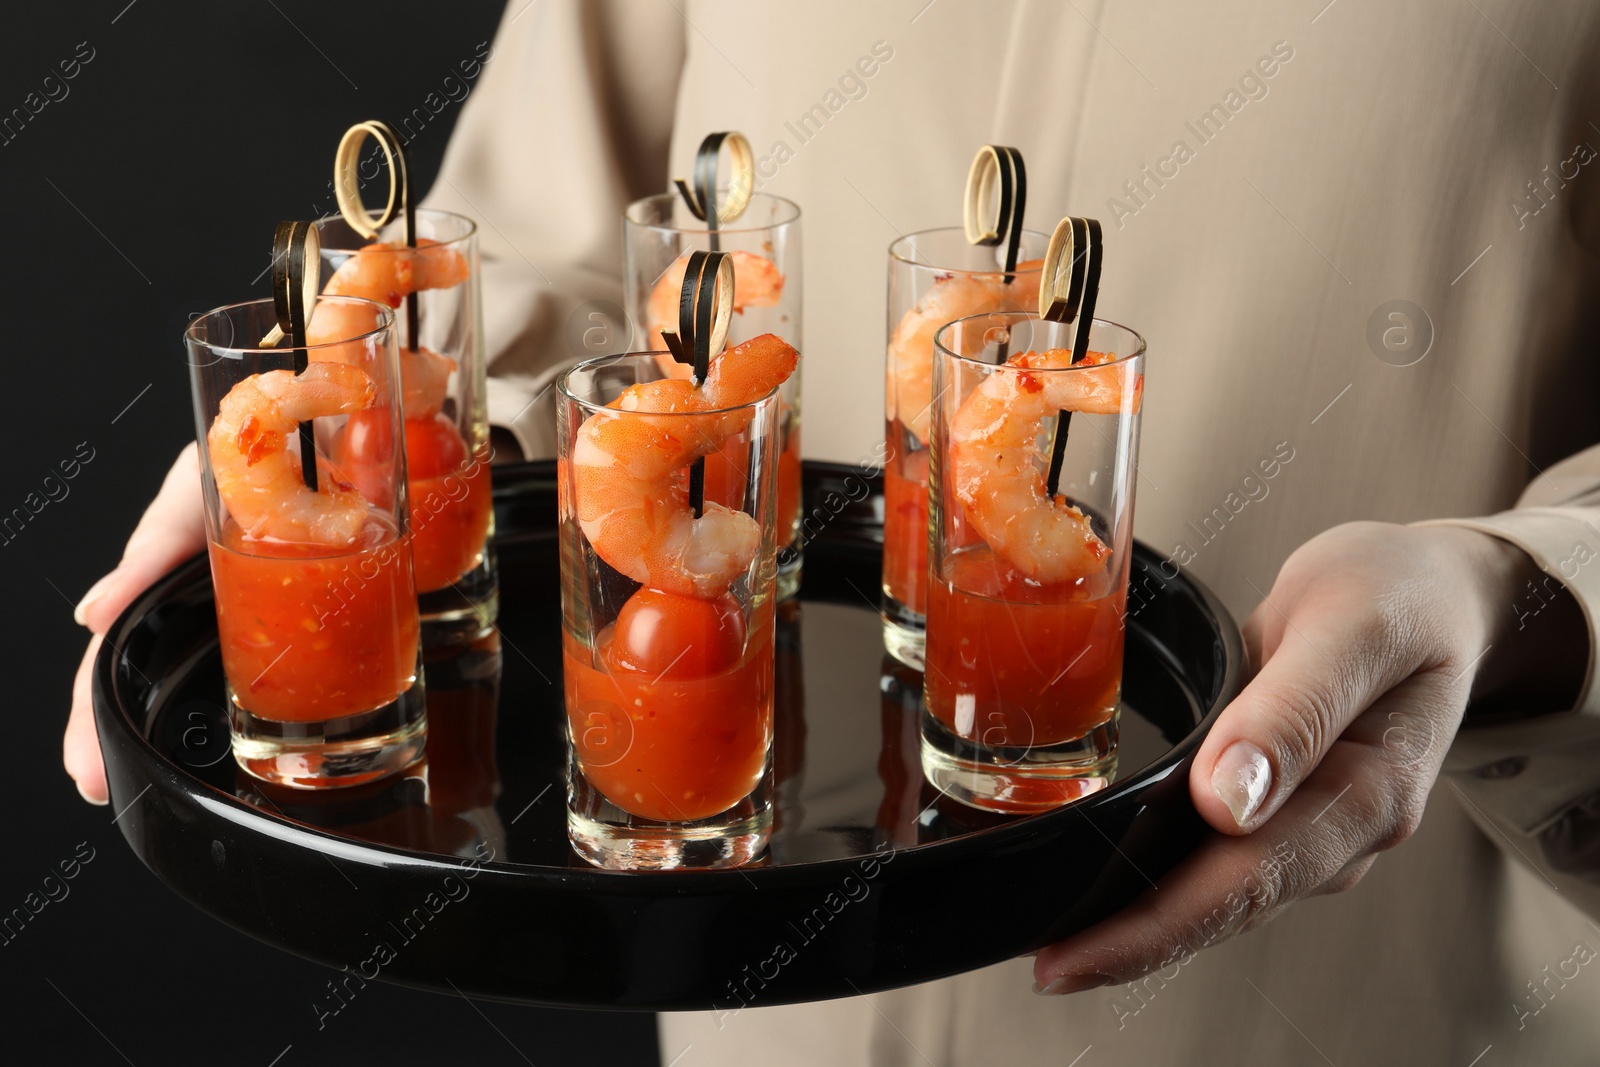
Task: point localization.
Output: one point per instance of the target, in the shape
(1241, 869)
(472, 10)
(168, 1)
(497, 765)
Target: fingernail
(90, 799)
(96, 591)
(1241, 780)
(1072, 983)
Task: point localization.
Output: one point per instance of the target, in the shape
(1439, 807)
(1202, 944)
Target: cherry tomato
(433, 447)
(364, 453)
(677, 636)
(368, 439)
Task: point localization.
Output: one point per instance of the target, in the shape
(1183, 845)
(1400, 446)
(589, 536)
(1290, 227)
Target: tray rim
(509, 481)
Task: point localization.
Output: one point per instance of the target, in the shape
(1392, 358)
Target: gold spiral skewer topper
(296, 266)
(347, 183)
(1069, 288)
(347, 190)
(997, 196)
(702, 199)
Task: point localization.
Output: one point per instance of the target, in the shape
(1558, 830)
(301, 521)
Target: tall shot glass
(316, 599)
(1026, 600)
(669, 696)
(446, 412)
(934, 277)
(659, 233)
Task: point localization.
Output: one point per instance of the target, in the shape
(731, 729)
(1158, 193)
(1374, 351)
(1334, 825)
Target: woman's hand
(172, 530)
(1367, 648)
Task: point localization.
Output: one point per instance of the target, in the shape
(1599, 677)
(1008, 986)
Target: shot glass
(316, 598)
(934, 277)
(668, 686)
(446, 412)
(1027, 594)
(659, 233)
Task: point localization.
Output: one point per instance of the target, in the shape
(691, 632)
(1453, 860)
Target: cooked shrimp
(756, 284)
(259, 479)
(340, 320)
(424, 381)
(387, 273)
(993, 468)
(424, 374)
(910, 383)
(627, 486)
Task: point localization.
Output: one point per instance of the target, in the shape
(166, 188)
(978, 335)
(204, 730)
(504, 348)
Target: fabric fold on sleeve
(1531, 771)
(570, 121)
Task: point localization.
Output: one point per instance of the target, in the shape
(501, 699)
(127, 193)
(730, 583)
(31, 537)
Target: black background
(147, 194)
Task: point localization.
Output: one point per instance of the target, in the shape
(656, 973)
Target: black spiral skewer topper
(1069, 287)
(702, 198)
(296, 270)
(705, 309)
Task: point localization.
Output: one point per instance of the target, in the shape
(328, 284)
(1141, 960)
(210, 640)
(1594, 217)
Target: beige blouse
(1357, 235)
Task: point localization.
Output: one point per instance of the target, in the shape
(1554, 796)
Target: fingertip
(80, 756)
(1065, 967)
(1234, 793)
(80, 743)
(95, 791)
(94, 610)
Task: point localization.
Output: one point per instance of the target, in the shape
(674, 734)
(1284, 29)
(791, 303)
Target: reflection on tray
(906, 794)
(847, 783)
(788, 720)
(846, 762)
(445, 803)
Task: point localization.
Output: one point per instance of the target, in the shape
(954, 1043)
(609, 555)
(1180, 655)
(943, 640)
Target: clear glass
(316, 597)
(447, 424)
(669, 690)
(1027, 596)
(934, 277)
(659, 232)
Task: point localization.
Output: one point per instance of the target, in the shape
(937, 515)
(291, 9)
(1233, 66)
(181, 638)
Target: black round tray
(459, 875)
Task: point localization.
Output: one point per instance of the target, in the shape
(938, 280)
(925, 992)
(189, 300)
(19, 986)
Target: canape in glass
(1027, 592)
(668, 682)
(446, 413)
(315, 593)
(934, 277)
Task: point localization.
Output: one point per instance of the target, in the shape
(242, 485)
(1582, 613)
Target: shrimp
(424, 373)
(259, 479)
(388, 273)
(631, 501)
(756, 283)
(910, 385)
(993, 442)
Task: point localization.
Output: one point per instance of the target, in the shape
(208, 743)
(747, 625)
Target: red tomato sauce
(727, 471)
(1013, 663)
(905, 525)
(449, 523)
(671, 745)
(449, 491)
(309, 635)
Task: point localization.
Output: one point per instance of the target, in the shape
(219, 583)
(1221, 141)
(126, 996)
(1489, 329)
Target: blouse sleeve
(570, 120)
(1532, 771)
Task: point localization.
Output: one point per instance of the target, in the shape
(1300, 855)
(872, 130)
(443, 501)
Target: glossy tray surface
(460, 872)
